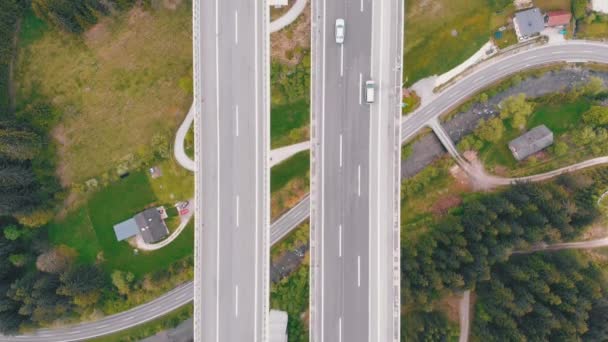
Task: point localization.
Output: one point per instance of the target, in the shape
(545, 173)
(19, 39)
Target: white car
(370, 91)
(340, 28)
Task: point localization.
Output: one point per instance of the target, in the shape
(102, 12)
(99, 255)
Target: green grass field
(430, 45)
(117, 85)
(294, 167)
(558, 117)
(595, 30)
(289, 123)
(89, 230)
(176, 183)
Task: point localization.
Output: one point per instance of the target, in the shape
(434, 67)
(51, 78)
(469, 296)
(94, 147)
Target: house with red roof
(557, 18)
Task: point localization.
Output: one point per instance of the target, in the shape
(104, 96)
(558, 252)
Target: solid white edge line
(322, 243)
(378, 215)
(257, 175)
(217, 99)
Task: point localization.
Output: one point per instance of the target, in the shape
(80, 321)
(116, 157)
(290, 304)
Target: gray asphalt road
(385, 175)
(232, 190)
(340, 176)
(496, 68)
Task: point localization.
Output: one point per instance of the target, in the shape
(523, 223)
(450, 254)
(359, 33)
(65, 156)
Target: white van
(370, 91)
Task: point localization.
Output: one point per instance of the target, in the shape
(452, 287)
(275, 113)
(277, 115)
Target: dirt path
(11, 69)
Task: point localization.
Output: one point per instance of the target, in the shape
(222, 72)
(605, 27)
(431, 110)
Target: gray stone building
(536, 139)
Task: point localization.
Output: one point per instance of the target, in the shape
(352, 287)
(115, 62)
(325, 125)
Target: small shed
(151, 225)
(536, 139)
(126, 229)
(528, 23)
(558, 18)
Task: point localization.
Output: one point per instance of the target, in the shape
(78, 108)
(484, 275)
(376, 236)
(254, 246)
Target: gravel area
(287, 263)
(429, 148)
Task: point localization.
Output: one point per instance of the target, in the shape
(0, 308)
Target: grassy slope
(294, 167)
(430, 47)
(287, 121)
(116, 86)
(289, 181)
(168, 321)
(90, 229)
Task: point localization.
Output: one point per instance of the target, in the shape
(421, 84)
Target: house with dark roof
(149, 224)
(535, 140)
(528, 23)
(558, 18)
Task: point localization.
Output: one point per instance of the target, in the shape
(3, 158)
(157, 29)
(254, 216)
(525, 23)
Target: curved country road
(480, 77)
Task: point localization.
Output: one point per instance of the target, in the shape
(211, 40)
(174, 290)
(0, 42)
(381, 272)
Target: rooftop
(126, 229)
(558, 18)
(529, 22)
(531, 142)
(151, 225)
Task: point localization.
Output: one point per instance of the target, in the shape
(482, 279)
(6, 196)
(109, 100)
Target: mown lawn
(441, 34)
(289, 122)
(176, 183)
(90, 230)
(117, 85)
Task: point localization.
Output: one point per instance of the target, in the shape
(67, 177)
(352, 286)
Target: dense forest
(541, 297)
(460, 251)
(76, 15)
(529, 297)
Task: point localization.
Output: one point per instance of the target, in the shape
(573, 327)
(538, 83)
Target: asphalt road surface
(232, 135)
(497, 68)
(340, 176)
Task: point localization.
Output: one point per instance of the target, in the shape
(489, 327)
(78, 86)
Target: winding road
(482, 76)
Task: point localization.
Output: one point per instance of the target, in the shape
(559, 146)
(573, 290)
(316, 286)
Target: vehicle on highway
(340, 30)
(370, 91)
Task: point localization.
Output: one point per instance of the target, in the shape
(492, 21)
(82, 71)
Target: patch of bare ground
(59, 135)
(172, 4)
(596, 231)
(449, 305)
(445, 203)
(284, 43)
(287, 197)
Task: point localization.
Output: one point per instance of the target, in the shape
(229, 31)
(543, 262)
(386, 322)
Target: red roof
(558, 18)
